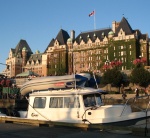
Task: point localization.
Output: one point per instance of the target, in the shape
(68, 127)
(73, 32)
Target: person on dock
(136, 92)
(123, 92)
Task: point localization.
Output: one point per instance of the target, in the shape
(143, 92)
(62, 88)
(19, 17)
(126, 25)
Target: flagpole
(94, 21)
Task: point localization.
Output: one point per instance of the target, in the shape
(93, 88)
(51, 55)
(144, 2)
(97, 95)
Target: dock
(138, 130)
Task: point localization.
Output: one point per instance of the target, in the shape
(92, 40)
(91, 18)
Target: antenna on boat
(77, 92)
(95, 79)
(74, 70)
(74, 77)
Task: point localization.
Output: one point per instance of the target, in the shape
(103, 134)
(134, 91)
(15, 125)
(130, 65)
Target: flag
(92, 13)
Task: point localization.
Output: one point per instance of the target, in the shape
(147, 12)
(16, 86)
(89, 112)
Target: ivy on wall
(114, 52)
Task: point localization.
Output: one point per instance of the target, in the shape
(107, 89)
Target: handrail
(134, 100)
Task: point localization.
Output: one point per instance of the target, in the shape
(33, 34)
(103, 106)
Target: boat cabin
(83, 105)
(63, 105)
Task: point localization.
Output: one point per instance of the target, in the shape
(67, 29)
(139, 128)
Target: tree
(112, 76)
(140, 76)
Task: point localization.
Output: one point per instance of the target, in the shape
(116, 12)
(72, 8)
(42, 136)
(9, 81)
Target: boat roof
(61, 92)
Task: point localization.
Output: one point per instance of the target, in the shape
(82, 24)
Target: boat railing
(134, 100)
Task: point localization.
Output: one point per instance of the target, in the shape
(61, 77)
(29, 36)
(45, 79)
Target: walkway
(8, 130)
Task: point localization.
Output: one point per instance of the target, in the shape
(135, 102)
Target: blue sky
(38, 21)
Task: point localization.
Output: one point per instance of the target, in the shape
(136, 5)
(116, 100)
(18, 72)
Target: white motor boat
(79, 105)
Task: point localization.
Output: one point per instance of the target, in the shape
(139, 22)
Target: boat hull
(129, 122)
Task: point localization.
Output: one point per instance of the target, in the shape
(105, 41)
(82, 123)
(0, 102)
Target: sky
(39, 21)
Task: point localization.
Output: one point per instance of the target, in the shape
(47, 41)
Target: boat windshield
(92, 100)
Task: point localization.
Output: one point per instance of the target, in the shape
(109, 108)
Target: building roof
(125, 26)
(61, 37)
(35, 57)
(21, 45)
(51, 44)
(93, 35)
(13, 50)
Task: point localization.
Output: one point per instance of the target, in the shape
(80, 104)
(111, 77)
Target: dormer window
(103, 34)
(56, 43)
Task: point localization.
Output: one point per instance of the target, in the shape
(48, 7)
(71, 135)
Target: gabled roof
(143, 36)
(35, 57)
(62, 37)
(21, 45)
(51, 44)
(125, 26)
(13, 50)
(93, 35)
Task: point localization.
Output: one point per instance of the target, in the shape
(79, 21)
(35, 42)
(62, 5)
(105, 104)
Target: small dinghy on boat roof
(53, 82)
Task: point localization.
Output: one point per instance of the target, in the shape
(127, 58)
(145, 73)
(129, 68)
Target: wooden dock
(86, 127)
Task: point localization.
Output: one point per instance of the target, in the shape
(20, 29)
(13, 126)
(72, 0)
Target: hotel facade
(90, 50)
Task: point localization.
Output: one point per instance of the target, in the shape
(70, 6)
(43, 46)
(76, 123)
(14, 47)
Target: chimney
(72, 34)
(114, 26)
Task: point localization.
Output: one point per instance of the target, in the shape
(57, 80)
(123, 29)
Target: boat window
(56, 102)
(71, 102)
(92, 100)
(98, 99)
(39, 102)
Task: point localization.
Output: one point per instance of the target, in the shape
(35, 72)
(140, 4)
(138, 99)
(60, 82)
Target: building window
(125, 60)
(119, 53)
(123, 53)
(82, 65)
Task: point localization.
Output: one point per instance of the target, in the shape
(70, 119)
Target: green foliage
(140, 76)
(112, 76)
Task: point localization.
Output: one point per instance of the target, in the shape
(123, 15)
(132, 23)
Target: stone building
(34, 63)
(90, 50)
(17, 58)
(55, 56)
